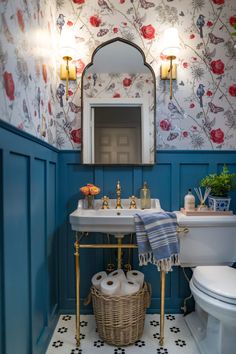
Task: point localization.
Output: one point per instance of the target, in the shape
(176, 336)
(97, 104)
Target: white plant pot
(218, 203)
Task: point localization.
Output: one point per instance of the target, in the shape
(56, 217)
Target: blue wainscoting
(28, 243)
(39, 188)
(169, 180)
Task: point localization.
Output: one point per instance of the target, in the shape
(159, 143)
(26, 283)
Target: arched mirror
(118, 100)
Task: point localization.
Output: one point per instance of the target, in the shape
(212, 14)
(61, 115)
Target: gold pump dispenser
(145, 197)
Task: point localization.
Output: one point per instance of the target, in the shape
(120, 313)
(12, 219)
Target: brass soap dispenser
(145, 197)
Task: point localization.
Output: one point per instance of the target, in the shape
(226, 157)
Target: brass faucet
(105, 202)
(132, 202)
(118, 196)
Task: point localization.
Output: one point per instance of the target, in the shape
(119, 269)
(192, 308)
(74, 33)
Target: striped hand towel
(157, 239)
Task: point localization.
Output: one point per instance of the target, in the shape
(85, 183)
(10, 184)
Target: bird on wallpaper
(60, 21)
(173, 109)
(200, 93)
(200, 24)
(60, 93)
(104, 6)
(94, 79)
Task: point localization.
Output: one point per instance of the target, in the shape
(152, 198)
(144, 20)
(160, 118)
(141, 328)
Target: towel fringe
(164, 264)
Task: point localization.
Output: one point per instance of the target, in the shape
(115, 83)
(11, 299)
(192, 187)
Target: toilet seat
(218, 282)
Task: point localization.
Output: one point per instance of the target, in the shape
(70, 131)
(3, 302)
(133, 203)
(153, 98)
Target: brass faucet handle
(105, 202)
(133, 204)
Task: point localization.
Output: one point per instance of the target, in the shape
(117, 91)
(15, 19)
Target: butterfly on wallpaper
(102, 32)
(74, 108)
(86, 86)
(214, 39)
(181, 83)
(146, 4)
(215, 109)
(209, 124)
(181, 13)
(104, 6)
(172, 107)
(172, 136)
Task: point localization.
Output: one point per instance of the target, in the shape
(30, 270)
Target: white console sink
(113, 221)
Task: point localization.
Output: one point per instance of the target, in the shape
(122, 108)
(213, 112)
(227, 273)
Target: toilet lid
(217, 281)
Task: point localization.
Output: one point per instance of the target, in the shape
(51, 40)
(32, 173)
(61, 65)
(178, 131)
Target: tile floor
(178, 339)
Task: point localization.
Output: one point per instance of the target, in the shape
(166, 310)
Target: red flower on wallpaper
(79, 65)
(192, 36)
(44, 73)
(165, 124)
(185, 134)
(232, 90)
(218, 2)
(122, 1)
(209, 23)
(217, 67)
(127, 82)
(70, 93)
(209, 93)
(116, 95)
(20, 19)
(232, 20)
(148, 32)
(115, 30)
(9, 85)
(217, 136)
(79, 2)
(185, 65)
(95, 21)
(76, 136)
(49, 108)
(69, 23)
(192, 105)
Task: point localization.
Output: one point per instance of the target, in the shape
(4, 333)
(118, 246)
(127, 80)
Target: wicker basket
(120, 319)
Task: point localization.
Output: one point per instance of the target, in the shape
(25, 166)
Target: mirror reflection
(118, 98)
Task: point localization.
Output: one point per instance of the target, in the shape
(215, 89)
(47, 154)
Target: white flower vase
(219, 203)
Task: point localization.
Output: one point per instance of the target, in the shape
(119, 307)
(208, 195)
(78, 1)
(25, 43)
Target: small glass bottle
(189, 201)
(145, 198)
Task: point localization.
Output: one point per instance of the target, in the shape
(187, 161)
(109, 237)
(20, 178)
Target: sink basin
(113, 221)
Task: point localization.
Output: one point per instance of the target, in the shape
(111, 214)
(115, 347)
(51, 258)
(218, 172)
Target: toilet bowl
(209, 247)
(214, 322)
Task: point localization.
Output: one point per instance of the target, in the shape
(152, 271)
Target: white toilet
(210, 246)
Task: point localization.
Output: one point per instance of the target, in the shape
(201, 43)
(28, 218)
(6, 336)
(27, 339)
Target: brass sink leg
(119, 253)
(77, 288)
(162, 307)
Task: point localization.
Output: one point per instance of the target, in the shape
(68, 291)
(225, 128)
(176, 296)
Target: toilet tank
(210, 240)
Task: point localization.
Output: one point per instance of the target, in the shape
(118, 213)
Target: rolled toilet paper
(98, 278)
(136, 276)
(117, 274)
(129, 287)
(110, 286)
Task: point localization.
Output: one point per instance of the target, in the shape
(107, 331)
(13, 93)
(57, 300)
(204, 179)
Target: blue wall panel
(169, 180)
(29, 277)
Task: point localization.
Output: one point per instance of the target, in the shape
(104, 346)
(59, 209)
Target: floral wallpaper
(27, 66)
(202, 113)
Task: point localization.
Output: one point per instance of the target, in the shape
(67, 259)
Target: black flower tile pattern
(119, 351)
(154, 323)
(180, 343)
(57, 344)
(76, 351)
(66, 318)
(156, 335)
(162, 350)
(83, 323)
(174, 329)
(140, 343)
(98, 343)
(178, 339)
(62, 330)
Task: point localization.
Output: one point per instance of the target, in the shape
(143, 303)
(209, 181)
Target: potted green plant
(220, 184)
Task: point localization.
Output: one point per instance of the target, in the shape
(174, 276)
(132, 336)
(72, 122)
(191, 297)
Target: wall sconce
(170, 50)
(67, 70)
